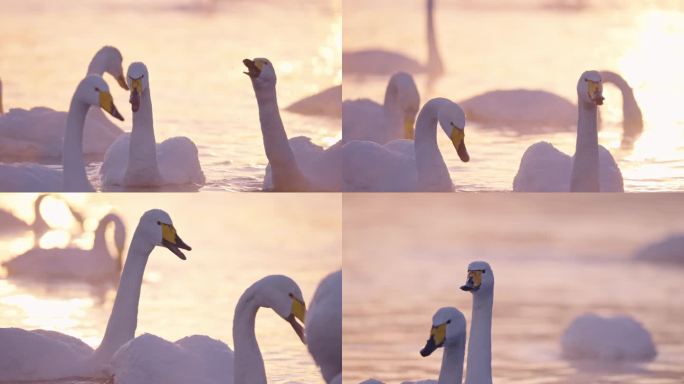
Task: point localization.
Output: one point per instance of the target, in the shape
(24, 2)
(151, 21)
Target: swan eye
(449, 321)
(97, 89)
(291, 295)
(158, 222)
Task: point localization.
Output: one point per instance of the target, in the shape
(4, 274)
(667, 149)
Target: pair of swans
(384, 62)
(36, 134)
(543, 168)
(449, 332)
(92, 265)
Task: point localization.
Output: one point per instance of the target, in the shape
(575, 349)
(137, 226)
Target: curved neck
(100, 242)
(434, 63)
(124, 317)
(248, 364)
(452, 364)
(97, 65)
(285, 171)
(632, 119)
(39, 223)
(480, 345)
(585, 166)
(433, 174)
(142, 168)
(74, 174)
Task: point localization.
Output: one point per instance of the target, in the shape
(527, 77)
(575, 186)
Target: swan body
(384, 63)
(480, 282)
(325, 103)
(669, 250)
(200, 359)
(607, 339)
(592, 169)
(38, 133)
(49, 355)
(364, 119)
(93, 265)
(295, 165)
(535, 111)
(324, 326)
(393, 167)
(91, 91)
(136, 160)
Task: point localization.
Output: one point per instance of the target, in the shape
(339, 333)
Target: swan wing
(29, 178)
(371, 167)
(113, 168)
(324, 326)
(178, 161)
(543, 168)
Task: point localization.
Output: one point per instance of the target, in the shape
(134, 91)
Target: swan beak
(474, 281)
(107, 103)
(408, 128)
(595, 92)
(436, 340)
(253, 67)
(136, 91)
(298, 311)
(458, 139)
(172, 241)
(122, 81)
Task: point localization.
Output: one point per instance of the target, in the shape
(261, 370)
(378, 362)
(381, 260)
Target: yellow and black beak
(107, 103)
(297, 311)
(254, 67)
(136, 93)
(436, 340)
(474, 280)
(458, 139)
(595, 91)
(172, 242)
(122, 81)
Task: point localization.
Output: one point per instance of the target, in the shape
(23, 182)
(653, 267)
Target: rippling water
(405, 257)
(194, 51)
(236, 240)
(491, 44)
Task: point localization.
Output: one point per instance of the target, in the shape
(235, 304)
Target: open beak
(173, 242)
(474, 281)
(458, 139)
(136, 91)
(436, 340)
(122, 81)
(253, 68)
(107, 103)
(595, 92)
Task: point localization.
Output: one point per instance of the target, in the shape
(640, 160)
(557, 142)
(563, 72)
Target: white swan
(324, 326)
(93, 265)
(136, 159)
(91, 91)
(37, 133)
(364, 119)
(45, 355)
(297, 164)
(405, 165)
(534, 111)
(200, 359)
(383, 62)
(543, 168)
(324, 103)
(480, 283)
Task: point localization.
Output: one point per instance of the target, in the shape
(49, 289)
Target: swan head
(590, 88)
(111, 60)
(480, 278)
(138, 81)
(261, 71)
(408, 100)
(93, 90)
(283, 295)
(157, 228)
(452, 120)
(448, 329)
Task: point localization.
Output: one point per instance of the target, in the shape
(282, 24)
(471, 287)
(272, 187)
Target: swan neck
(285, 171)
(124, 317)
(392, 110)
(74, 174)
(249, 364)
(433, 174)
(452, 364)
(585, 167)
(142, 166)
(632, 118)
(480, 345)
(98, 65)
(100, 243)
(434, 64)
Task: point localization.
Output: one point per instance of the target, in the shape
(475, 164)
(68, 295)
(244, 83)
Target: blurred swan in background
(324, 103)
(49, 355)
(364, 119)
(201, 359)
(297, 164)
(384, 62)
(92, 265)
(668, 250)
(37, 134)
(11, 225)
(91, 91)
(324, 326)
(408, 165)
(136, 159)
(543, 168)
